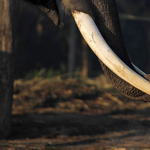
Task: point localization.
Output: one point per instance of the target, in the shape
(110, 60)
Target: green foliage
(46, 73)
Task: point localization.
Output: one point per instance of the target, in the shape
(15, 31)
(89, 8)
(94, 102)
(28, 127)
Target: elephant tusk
(139, 71)
(99, 46)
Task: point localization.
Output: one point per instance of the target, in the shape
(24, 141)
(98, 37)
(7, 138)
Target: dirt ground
(75, 114)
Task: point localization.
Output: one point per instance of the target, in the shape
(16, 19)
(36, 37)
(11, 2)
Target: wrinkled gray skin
(104, 13)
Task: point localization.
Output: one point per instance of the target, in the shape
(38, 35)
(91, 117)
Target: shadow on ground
(76, 115)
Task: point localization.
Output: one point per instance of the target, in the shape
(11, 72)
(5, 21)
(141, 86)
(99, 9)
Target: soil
(75, 114)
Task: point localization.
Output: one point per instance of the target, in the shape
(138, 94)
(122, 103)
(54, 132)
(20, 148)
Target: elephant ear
(51, 10)
(49, 7)
(52, 14)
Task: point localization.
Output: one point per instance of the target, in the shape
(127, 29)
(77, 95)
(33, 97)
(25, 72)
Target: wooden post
(6, 68)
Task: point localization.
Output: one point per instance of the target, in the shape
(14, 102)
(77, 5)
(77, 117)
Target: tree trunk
(84, 70)
(6, 68)
(72, 49)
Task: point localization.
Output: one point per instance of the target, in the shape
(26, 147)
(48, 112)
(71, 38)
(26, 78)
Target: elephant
(99, 24)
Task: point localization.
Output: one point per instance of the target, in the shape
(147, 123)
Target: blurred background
(42, 49)
(82, 112)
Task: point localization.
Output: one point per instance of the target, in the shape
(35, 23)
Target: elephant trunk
(107, 22)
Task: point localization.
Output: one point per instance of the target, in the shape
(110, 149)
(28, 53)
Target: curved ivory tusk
(139, 71)
(99, 46)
